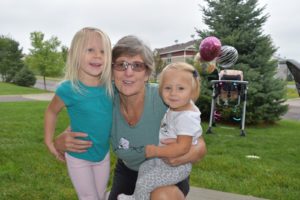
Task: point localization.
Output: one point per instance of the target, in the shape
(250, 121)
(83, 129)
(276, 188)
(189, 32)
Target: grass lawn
(292, 93)
(12, 89)
(274, 175)
(28, 171)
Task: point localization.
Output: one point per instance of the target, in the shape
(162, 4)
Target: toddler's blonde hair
(196, 85)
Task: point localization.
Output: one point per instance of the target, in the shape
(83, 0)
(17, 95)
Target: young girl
(179, 87)
(86, 93)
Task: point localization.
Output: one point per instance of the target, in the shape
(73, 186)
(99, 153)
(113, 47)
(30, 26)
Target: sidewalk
(294, 109)
(26, 97)
(207, 194)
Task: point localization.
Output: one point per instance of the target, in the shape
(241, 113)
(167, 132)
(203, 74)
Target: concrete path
(206, 194)
(26, 97)
(50, 84)
(294, 109)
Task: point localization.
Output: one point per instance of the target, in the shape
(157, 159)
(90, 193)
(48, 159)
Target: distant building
(178, 52)
(282, 69)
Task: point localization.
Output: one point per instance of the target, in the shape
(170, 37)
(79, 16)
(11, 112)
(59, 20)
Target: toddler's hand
(150, 151)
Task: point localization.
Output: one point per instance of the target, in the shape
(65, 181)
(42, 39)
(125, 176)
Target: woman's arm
(196, 153)
(68, 141)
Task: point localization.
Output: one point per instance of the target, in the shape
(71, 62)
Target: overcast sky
(158, 22)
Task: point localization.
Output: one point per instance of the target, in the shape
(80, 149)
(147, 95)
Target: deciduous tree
(45, 57)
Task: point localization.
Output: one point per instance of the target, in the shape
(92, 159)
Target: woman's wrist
(155, 151)
(151, 151)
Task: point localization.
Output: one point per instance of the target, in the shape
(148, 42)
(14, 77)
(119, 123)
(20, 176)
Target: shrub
(24, 77)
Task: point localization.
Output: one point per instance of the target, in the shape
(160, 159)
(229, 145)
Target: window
(169, 58)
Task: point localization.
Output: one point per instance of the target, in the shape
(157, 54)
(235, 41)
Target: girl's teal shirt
(90, 111)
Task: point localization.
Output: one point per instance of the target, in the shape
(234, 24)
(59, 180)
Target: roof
(178, 47)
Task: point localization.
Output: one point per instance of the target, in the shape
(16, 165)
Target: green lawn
(28, 171)
(11, 89)
(275, 175)
(292, 93)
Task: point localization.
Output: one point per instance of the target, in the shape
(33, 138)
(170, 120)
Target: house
(178, 52)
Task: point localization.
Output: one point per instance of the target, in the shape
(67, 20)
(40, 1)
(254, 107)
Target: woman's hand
(68, 141)
(196, 153)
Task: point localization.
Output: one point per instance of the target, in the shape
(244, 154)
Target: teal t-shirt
(128, 142)
(90, 112)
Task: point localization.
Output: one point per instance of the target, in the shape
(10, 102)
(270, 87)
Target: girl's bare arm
(51, 114)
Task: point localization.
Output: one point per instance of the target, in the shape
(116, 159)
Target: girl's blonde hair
(196, 85)
(76, 51)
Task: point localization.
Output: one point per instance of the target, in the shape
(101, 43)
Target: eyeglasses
(135, 66)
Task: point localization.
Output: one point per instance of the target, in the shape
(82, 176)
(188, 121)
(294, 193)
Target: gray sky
(158, 22)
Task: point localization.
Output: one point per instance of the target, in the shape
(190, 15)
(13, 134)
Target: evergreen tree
(25, 77)
(238, 23)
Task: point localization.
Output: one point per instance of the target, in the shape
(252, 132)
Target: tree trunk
(44, 77)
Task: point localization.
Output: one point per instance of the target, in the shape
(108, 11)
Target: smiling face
(129, 82)
(92, 59)
(177, 89)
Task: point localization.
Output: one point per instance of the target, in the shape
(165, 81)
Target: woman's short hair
(132, 46)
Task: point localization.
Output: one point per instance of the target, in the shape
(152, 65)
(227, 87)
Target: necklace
(133, 116)
(130, 119)
(132, 107)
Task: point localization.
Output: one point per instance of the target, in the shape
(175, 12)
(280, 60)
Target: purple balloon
(210, 48)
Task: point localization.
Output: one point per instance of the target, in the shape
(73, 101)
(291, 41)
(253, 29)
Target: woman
(138, 110)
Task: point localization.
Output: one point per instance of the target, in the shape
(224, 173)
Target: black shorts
(124, 181)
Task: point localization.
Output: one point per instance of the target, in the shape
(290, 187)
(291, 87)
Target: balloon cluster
(211, 52)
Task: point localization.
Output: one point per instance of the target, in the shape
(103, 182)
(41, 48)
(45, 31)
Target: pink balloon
(210, 48)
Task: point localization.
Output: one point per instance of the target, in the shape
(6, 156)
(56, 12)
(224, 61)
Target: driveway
(294, 109)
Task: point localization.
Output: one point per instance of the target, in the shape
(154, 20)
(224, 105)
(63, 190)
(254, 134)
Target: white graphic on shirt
(164, 128)
(123, 144)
